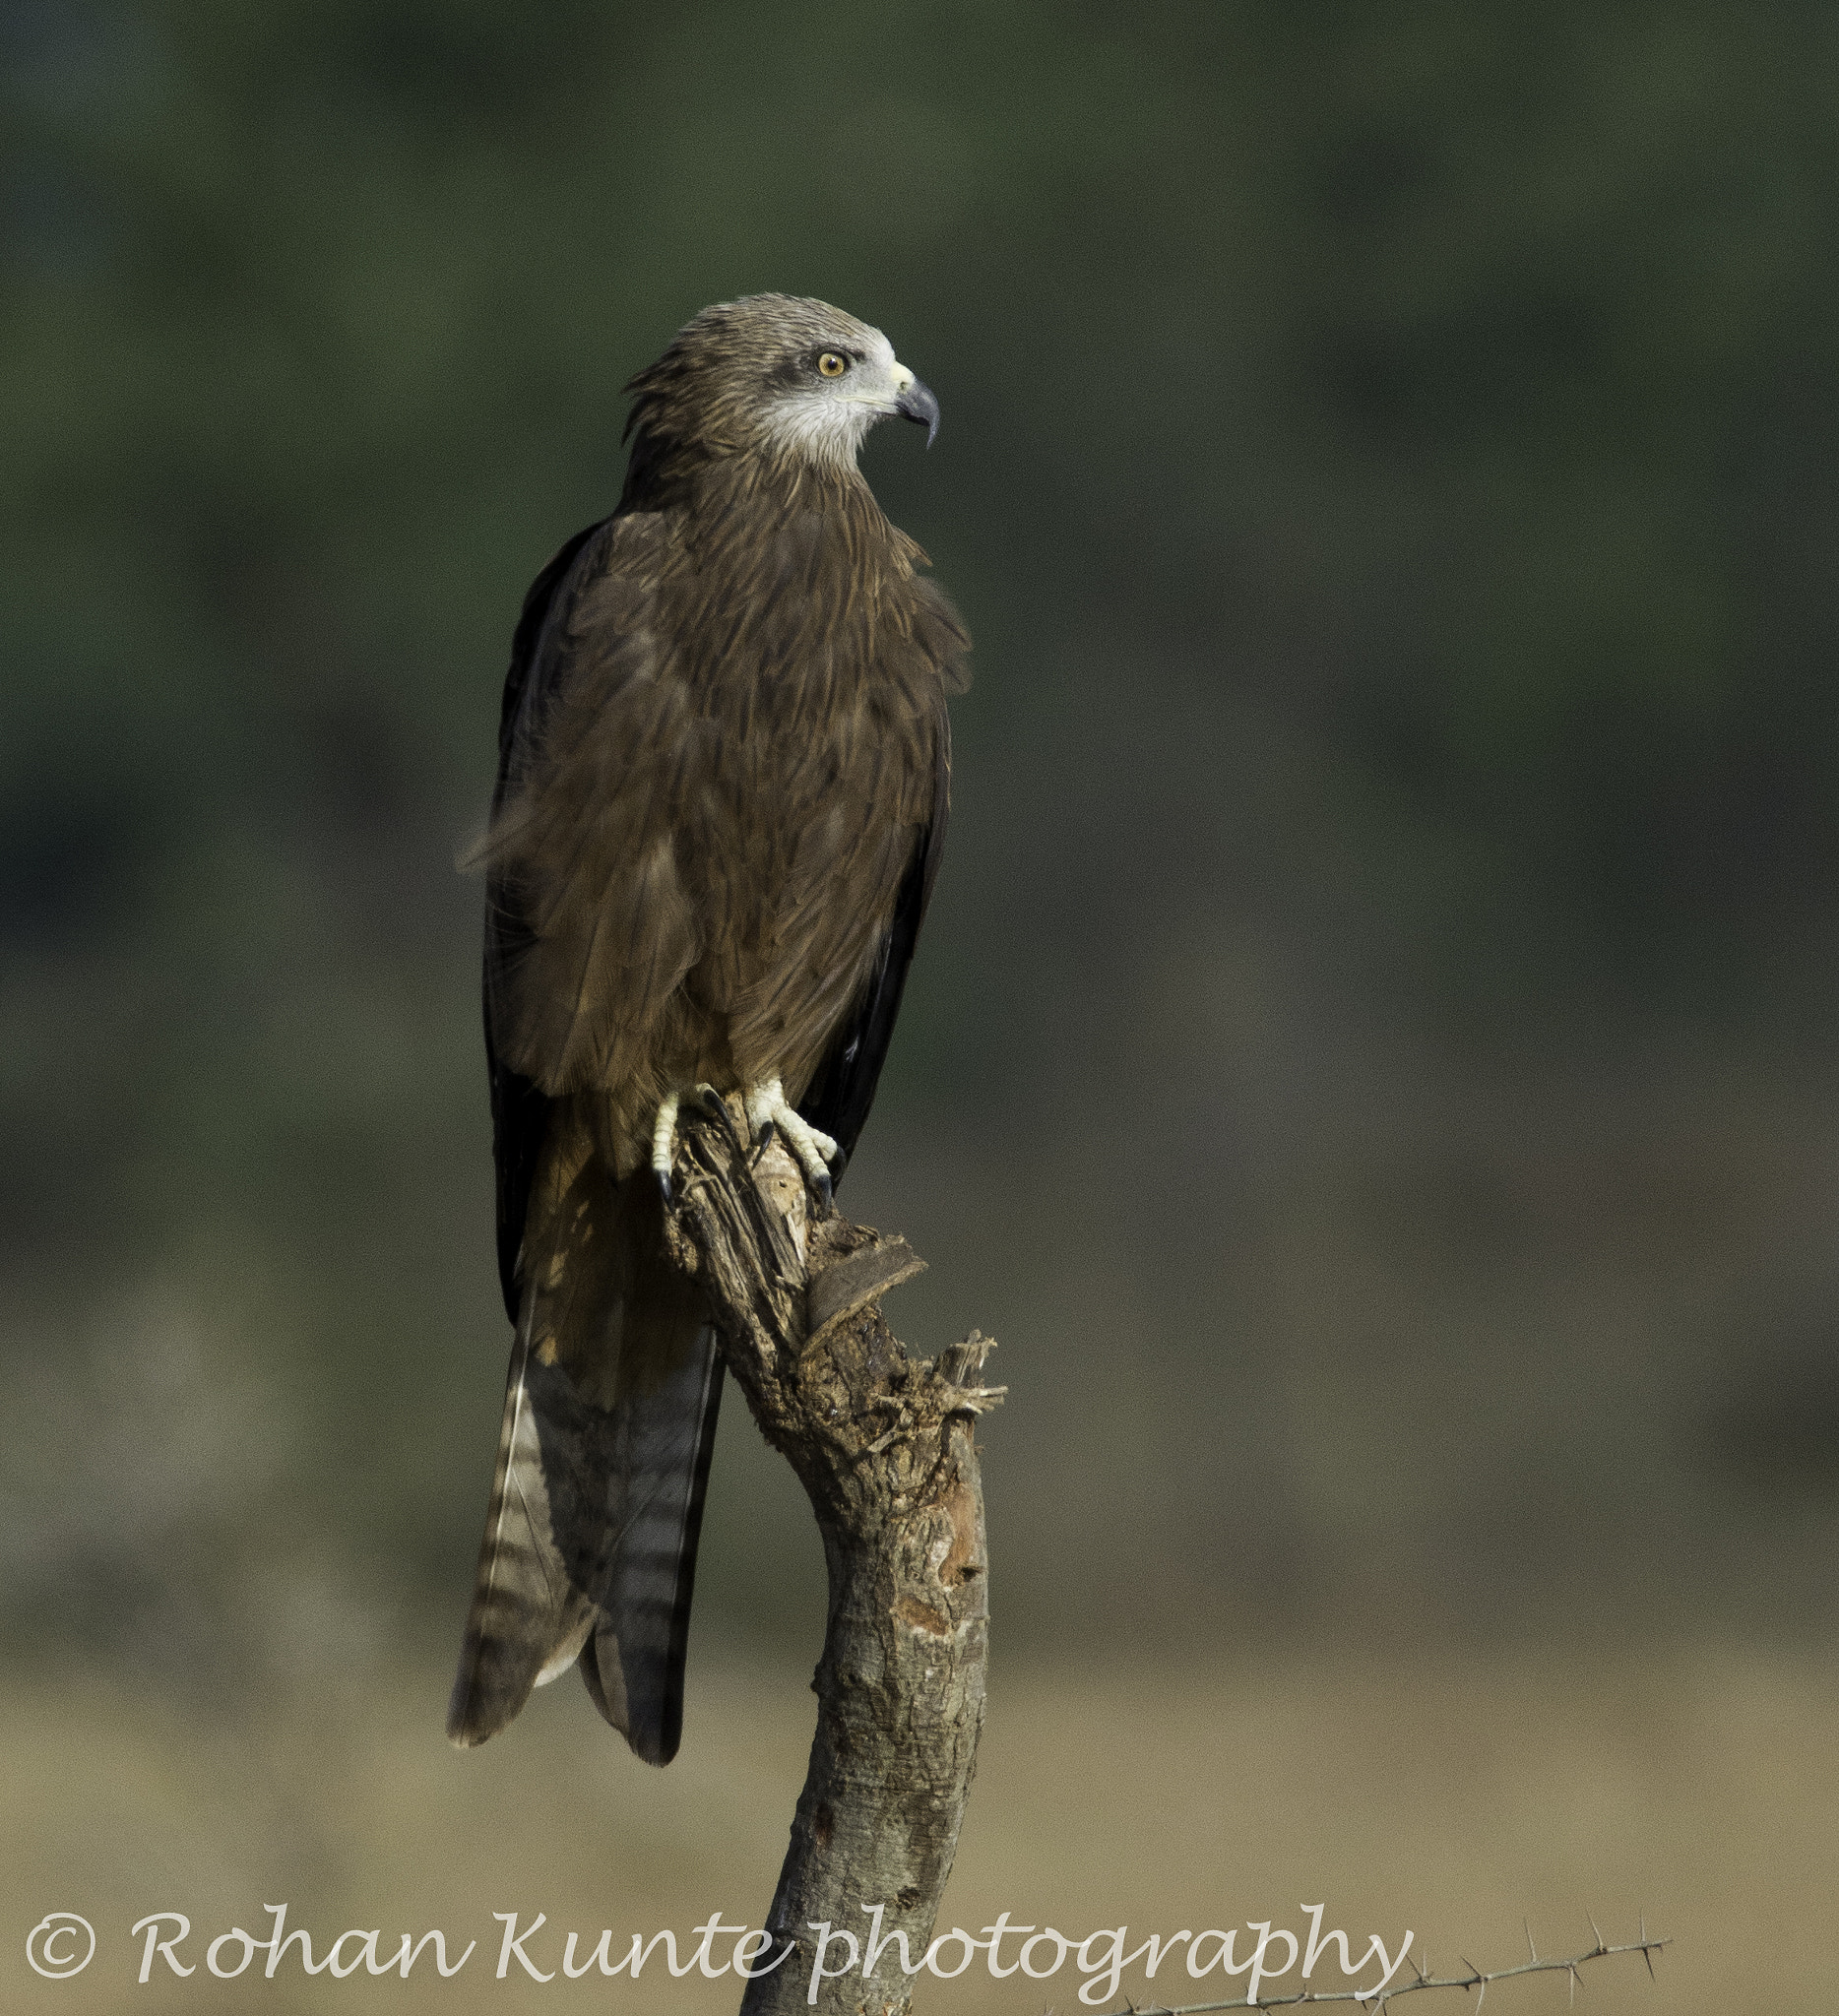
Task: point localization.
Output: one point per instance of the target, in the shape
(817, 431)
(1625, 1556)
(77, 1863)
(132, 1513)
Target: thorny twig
(1376, 1998)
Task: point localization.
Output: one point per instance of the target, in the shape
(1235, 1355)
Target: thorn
(1530, 1948)
(1480, 1998)
(1598, 1930)
(1645, 1953)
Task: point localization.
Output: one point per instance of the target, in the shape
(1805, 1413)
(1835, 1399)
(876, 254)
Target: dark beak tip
(918, 403)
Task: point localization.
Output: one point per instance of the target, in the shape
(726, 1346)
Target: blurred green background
(1371, 1060)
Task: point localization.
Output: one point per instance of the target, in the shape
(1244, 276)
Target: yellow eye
(831, 365)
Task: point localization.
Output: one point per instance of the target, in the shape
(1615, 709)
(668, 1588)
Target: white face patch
(827, 420)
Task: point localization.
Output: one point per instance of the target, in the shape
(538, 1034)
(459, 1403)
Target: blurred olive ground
(1453, 1795)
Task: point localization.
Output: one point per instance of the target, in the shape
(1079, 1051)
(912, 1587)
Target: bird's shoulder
(588, 616)
(627, 555)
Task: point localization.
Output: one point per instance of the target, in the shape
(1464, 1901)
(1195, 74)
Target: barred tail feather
(634, 1656)
(532, 1607)
(609, 1421)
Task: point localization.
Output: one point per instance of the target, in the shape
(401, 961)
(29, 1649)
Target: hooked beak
(917, 402)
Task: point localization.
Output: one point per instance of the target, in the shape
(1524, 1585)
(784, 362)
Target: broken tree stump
(885, 1448)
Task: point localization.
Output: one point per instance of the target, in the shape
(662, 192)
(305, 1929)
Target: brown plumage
(723, 787)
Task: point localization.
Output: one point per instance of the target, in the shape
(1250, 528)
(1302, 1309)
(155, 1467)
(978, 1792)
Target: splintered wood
(884, 1445)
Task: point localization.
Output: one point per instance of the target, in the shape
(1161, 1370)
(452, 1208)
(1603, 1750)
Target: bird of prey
(723, 771)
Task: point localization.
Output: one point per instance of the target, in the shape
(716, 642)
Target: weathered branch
(883, 1445)
(1376, 1999)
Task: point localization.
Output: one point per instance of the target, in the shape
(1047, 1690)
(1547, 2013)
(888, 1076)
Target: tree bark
(884, 1446)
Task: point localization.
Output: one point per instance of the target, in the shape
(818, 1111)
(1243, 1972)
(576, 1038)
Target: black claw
(766, 1137)
(826, 1193)
(664, 1186)
(713, 1106)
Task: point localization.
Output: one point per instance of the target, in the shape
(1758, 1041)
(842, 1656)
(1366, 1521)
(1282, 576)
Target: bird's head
(774, 374)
